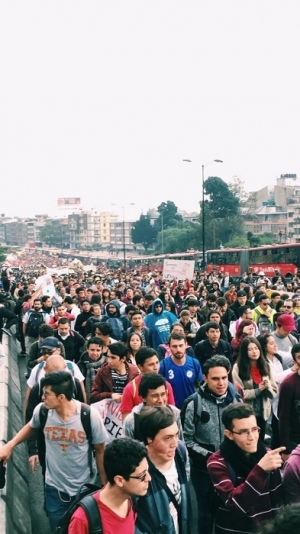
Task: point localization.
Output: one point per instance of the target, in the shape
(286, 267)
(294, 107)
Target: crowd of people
(204, 376)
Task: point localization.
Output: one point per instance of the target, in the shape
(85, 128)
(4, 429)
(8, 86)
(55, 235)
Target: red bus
(267, 258)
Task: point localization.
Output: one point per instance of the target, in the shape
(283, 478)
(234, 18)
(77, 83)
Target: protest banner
(178, 269)
(109, 411)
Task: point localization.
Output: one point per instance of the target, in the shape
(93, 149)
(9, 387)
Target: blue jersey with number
(181, 377)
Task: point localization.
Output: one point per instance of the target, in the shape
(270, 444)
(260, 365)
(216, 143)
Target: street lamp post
(203, 212)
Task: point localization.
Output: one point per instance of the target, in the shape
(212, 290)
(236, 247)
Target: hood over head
(116, 303)
(153, 306)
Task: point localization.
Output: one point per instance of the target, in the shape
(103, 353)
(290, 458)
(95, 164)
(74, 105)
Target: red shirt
(111, 522)
(131, 398)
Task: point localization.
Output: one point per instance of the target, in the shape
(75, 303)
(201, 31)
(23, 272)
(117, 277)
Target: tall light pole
(123, 231)
(203, 212)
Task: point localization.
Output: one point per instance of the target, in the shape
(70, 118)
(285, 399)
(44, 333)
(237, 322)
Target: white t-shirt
(173, 484)
(39, 370)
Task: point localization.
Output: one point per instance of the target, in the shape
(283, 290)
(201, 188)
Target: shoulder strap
(91, 508)
(43, 416)
(292, 340)
(85, 416)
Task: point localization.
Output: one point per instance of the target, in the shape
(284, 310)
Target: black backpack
(85, 499)
(34, 322)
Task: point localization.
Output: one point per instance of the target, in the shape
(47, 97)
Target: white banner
(47, 285)
(109, 411)
(179, 269)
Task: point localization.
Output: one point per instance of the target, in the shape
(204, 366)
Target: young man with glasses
(126, 468)
(246, 476)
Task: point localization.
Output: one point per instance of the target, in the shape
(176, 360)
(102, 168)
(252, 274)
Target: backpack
(85, 499)
(264, 325)
(85, 417)
(70, 367)
(34, 322)
(197, 400)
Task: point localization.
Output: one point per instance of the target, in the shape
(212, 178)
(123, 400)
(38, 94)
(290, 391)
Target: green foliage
(2, 254)
(237, 241)
(168, 215)
(179, 239)
(222, 202)
(143, 232)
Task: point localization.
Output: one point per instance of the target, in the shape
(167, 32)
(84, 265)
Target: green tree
(2, 254)
(51, 234)
(238, 242)
(223, 220)
(168, 215)
(179, 239)
(143, 232)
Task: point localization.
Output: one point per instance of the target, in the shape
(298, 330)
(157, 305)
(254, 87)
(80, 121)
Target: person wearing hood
(159, 322)
(118, 322)
(203, 434)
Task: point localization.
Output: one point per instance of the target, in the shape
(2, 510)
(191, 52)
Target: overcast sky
(104, 99)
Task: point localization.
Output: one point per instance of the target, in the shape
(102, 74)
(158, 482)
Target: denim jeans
(57, 503)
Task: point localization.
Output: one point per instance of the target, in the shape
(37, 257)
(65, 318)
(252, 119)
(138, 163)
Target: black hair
(118, 349)
(78, 289)
(105, 329)
(137, 312)
(221, 301)
(244, 363)
(262, 296)
(211, 312)
(295, 349)
(212, 297)
(121, 458)
(136, 298)
(149, 297)
(44, 298)
(150, 381)
(286, 521)
(153, 419)
(242, 310)
(236, 411)
(37, 300)
(94, 340)
(68, 300)
(45, 330)
(216, 361)
(63, 320)
(263, 340)
(61, 383)
(143, 354)
(212, 324)
(129, 307)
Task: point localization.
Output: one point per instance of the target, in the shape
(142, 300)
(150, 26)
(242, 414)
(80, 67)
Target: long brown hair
(243, 361)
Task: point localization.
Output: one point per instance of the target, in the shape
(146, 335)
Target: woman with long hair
(203, 294)
(245, 328)
(134, 343)
(280, 370)
(253, 374)
(105, 299)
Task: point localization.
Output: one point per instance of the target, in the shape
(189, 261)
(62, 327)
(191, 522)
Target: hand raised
(272, 460)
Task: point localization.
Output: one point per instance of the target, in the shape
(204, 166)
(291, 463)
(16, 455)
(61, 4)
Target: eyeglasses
(141, 477)
(48, 351)
(288, 307)
(244, 433)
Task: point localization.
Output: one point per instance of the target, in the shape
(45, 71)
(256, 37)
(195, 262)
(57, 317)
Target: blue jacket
(159, 324)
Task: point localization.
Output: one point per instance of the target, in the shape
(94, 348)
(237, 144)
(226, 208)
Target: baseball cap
(286, 321)
(261, 273)
(50, 343)
(241, 293)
